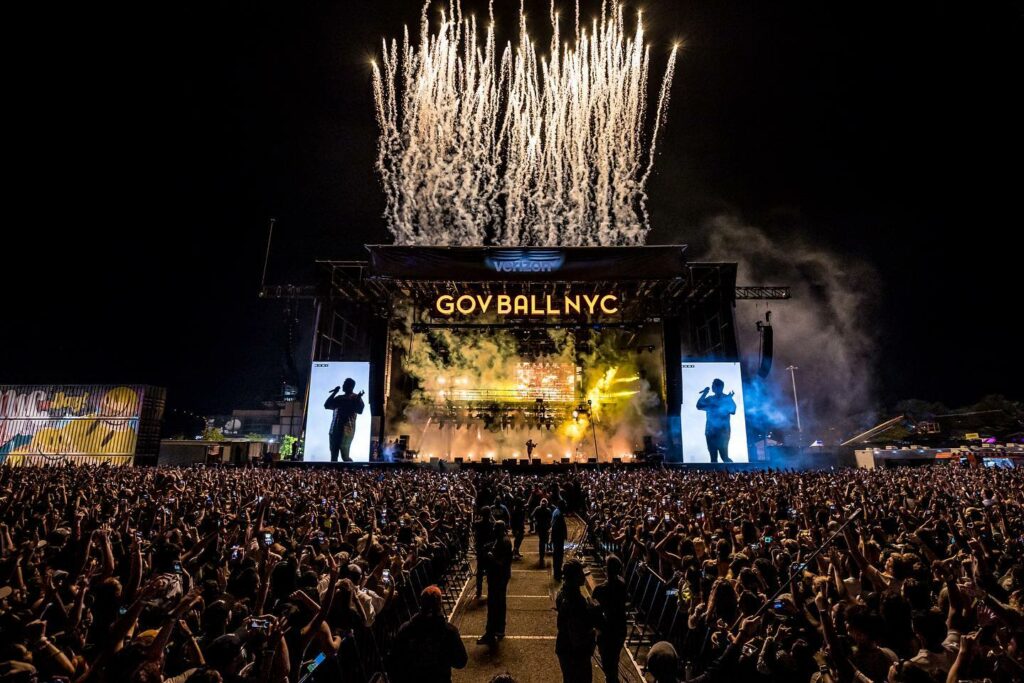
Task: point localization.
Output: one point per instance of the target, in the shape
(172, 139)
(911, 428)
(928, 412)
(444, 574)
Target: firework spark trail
(480, 147)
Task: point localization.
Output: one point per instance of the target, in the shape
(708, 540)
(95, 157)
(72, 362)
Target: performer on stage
(343, 427)
(719, 408)
(530, 445)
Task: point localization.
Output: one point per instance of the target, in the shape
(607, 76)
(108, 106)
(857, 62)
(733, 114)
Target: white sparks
(478, 147)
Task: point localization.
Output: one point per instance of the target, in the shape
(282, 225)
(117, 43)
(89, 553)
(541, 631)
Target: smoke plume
(824, 330)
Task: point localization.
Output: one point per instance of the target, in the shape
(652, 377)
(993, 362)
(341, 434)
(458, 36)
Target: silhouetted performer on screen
(530, 445)
(343, 426)
(719, 407)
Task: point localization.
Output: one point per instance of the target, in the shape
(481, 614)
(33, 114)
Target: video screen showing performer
(712, 422)
(340, 431)
(347, 407)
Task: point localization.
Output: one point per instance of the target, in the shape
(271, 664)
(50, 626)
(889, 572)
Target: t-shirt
(719, 408)
(345, 407)
(426, 649)
(575, 624)
(611, 596)
(542, 516)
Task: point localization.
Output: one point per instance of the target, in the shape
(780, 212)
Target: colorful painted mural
(69, 420)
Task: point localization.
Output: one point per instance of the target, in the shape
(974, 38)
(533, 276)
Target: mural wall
(69, 420)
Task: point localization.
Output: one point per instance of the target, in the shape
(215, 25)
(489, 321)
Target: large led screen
(713, 425)
(338, 418)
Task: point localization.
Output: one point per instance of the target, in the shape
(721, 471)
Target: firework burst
(512, 148)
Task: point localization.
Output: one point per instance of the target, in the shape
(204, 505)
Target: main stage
(480, 353)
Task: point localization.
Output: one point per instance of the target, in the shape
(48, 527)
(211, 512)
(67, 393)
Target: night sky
(159, 139)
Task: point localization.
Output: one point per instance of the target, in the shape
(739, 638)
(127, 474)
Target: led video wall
(713, 425)
(338, 419)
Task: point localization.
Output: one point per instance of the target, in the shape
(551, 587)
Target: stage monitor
(351, 408)
(713, 422)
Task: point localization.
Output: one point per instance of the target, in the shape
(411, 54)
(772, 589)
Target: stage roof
(651, 281)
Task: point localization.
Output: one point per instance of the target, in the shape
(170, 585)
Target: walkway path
(528, 649)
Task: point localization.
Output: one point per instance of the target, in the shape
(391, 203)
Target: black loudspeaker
(487, 461)
(524, 461)
(536, 461)
(616, 461)
(592, 461)
(565, 461)
(458, 461)
(767, 346)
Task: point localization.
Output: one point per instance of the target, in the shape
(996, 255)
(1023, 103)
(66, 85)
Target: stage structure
(492, 353)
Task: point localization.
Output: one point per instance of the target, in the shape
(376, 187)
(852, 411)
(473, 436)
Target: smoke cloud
(455, 372)
(825, 329)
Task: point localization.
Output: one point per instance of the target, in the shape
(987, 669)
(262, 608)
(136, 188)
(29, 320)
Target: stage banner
(579, 264)
(338, 417)
(714, 428)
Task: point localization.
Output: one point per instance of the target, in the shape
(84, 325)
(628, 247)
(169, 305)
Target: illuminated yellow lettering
(485, 302)
(521, 304)
(471, 304)
(572, 304)
(548, 309)
(533, 306)
(504, 304)
(604, 307)
(591, 302)
(445, 305)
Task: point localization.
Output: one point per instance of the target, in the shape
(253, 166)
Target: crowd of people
(218, 574)
(241, 574)
(850, 575)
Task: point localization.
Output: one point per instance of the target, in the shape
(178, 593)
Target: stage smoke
(825, 329)
(449, 365)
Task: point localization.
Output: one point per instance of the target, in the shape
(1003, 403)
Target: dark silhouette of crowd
(238, 574)
(926, 583)
(227, 574)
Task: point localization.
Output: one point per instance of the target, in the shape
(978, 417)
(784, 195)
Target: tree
(213, 434)
(288, 446)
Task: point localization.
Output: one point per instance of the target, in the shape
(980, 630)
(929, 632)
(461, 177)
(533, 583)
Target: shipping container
(48, 424)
